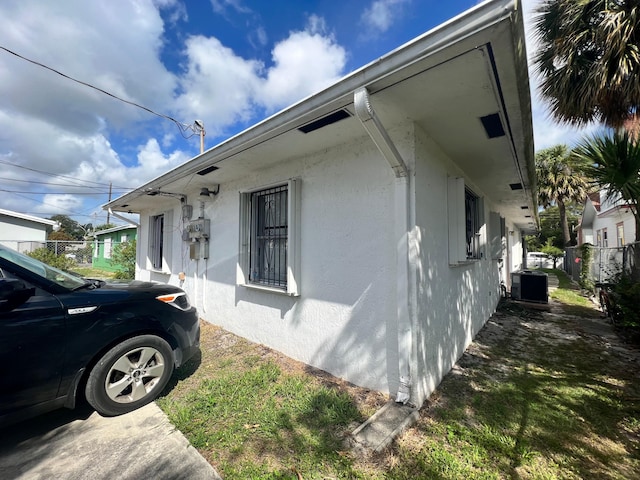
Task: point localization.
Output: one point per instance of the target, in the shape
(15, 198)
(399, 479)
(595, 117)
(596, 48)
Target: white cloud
(380, 15)
(104, 164)
(222, 6)
(53, 124)
(304, 63)
(218, 86)
(65, 204)
(222, 88)
(110, 53)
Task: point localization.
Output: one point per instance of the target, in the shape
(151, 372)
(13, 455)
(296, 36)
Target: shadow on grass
(562, 408)
(259, 422)
(184, 372)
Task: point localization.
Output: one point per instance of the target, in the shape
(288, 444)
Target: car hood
(116, 293)
(141, 286)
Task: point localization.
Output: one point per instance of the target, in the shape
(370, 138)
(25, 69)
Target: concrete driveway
(80, 444)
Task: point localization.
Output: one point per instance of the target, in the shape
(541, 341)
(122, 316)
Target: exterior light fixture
(205, 192)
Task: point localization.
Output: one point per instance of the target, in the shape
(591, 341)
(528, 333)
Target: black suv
(62, 336)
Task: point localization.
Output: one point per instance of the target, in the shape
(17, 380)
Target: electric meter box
(198, 228)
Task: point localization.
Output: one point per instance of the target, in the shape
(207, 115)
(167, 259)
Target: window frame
(248, 231)
(108, 244)
(620, 234)
(463, 247)
(473, 224)
(156, 241)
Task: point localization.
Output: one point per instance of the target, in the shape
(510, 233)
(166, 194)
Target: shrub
(627, 298)
(586, 254)
(124, 257)
(47, 256)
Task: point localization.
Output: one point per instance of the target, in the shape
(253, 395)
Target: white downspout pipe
(376, 131)
(125, 219)
(406, 294)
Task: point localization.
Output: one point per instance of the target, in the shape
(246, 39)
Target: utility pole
(200, 127)
(110, 187)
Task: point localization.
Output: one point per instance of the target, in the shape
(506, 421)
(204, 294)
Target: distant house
(104, 243)
(23, 232)
(606, 222)
(366, 230)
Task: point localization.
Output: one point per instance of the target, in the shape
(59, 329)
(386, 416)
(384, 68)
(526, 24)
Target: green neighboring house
(106, 240)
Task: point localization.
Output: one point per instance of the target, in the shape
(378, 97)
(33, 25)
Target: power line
(181, 126)
(54, 193)
(58, 184)
(60, 176)
(57, 207)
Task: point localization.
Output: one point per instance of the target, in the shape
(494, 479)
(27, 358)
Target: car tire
(130, 375)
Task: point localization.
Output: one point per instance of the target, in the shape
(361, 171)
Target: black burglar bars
(269, 237)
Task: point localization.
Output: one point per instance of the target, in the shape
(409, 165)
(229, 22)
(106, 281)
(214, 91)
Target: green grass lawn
(534, 397)
(90, 272)
(574, 301)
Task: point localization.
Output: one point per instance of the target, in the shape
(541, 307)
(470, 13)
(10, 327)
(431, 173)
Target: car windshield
(62, 278)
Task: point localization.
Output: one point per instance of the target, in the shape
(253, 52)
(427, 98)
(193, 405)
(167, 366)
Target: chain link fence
(606, 262)
(76, 253)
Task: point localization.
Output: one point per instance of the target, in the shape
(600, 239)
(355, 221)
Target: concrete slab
(80, 444)
(384, 426)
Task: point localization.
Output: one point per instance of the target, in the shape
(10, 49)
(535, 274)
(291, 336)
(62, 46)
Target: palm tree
(613, 162)
(559, 182)
(589, 60)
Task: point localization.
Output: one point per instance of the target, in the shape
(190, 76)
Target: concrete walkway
(80, 444)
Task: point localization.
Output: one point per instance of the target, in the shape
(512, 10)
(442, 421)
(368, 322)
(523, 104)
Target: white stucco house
(23, 232)
(606, 222)
(367, 229)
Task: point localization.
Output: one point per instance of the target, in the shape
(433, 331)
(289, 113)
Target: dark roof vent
(324, 121)
(524, 207)
(207, 170)
(515, 186)
(493, 125)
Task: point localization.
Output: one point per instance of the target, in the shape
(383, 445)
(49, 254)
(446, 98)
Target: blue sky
(229, 63)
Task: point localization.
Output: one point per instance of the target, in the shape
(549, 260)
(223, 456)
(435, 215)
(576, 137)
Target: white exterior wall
(454, 302)
(345, 320)
(340, 322)
(609, 220)
(22, 229)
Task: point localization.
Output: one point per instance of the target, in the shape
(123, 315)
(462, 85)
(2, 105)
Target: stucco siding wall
(344, 319)
(454, 302)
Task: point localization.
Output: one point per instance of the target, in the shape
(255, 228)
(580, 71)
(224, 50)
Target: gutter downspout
(406, 293)
(125, 219)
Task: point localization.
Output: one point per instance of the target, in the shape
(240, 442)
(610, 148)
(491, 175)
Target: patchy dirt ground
(538, 394)
(564, 390)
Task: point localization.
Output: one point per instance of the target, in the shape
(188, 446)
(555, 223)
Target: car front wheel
(130, 375)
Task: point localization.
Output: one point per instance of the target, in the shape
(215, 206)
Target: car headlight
(177, 300)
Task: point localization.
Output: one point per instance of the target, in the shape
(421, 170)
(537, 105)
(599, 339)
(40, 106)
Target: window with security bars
(156, 243)
(472, 224)
(466, 224)
(269, 235)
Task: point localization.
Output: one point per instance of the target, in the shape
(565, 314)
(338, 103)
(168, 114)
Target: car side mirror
(13, 293)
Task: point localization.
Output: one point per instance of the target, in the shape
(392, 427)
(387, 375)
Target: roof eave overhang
(482, 17)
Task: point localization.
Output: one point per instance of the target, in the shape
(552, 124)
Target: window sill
(464, 263)
(153, 270)
(265, 288)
